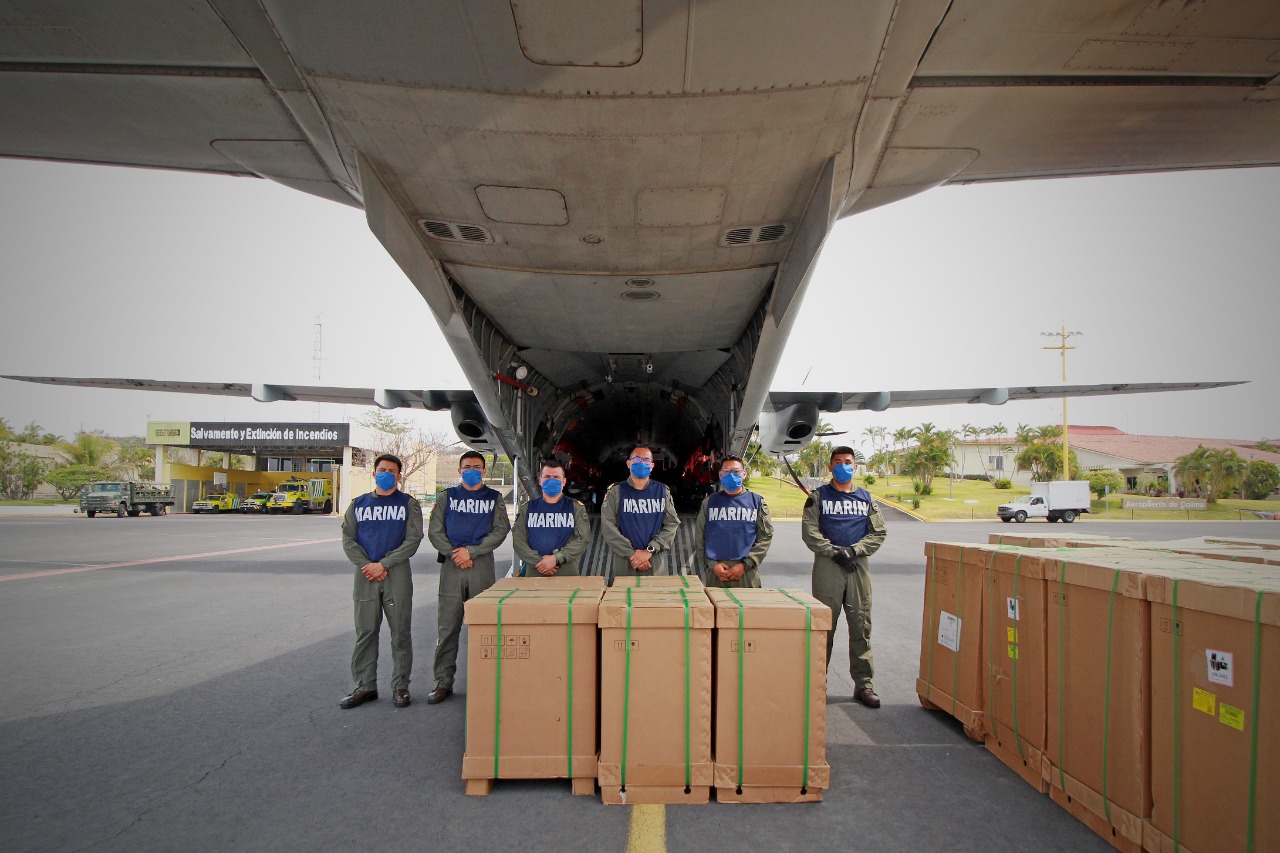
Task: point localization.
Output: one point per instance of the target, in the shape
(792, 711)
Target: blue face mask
(552, 487)
(842, 472)
(640, 469)
(472, 477)
(385, 480)
(732, 481)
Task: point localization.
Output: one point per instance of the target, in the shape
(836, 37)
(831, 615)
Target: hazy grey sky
(149, 274)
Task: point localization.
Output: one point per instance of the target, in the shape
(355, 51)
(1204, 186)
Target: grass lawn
(978, 499)
(783, 496)
(41, 502)
(986, 499)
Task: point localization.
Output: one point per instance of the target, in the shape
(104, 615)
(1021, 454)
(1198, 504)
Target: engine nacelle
(789, 429)
(472, 427)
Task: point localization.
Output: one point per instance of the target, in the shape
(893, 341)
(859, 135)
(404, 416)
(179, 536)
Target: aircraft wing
(878, 401)
(387, 398)
(191, 87)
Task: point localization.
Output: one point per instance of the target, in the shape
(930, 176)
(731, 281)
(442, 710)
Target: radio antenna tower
(317, 355)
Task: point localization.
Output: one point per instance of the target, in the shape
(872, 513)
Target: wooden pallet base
(1105, 830)
(654, 795)
(1155, 841)
(970, 719)
(482, 787)
(762, 794)
(1027, 764)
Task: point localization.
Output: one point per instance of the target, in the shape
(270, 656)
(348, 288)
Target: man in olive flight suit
(638, 519)
(552, 531)
(381, 530)
(843, 527)
(468, 521)
(733, 531)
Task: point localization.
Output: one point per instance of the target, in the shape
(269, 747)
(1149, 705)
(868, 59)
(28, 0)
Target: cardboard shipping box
(770, 707)
(1215, 709)
(1013, 645)
(1199, 547)
(1065, 540)
(1097, 663)
(593, 582)
(658, 582)
(951, 664)
(532, 685)
(655, 695)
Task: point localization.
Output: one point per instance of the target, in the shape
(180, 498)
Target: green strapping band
(742, 647)
(988, 626)
(931, 637)
(569, 740)
(1106, 702)
(497, 688)
(688, 678)
(1176, 721)
(808, 676)
(1062, 723)
(1017, 653)
(1253, 736)
(626, 692)
(955, 658)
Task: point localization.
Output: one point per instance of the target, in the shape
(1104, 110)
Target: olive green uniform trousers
(392, 598)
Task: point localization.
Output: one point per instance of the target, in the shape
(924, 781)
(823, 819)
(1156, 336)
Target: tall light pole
(1062, 347)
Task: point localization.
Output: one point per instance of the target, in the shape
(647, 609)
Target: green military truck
(125, 498)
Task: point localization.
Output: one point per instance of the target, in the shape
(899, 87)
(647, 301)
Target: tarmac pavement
(172, 683)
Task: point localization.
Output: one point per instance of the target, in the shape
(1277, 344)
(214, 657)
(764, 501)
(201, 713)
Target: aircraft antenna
(1062, 335)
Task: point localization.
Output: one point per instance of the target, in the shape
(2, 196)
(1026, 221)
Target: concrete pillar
(342, 478)
(162, 464)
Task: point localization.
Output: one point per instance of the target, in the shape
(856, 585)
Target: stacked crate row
(655, 688)
(1128, 680)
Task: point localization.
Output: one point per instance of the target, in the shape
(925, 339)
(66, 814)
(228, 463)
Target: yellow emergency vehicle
(299, 495)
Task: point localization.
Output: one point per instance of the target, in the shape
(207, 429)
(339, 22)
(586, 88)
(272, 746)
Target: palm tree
(901, 438)
(90, 448)
(1226, 469)
(971, 433)
(1192, 471)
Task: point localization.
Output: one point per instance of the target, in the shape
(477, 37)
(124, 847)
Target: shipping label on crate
(1231, 716)
(1221, 670)
(1014, 612)
(1202, 700)
(949, 627)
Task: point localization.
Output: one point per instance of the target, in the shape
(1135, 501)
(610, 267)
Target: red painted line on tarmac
(77, 569)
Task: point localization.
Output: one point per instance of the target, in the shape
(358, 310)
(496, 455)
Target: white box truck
(1060, 500)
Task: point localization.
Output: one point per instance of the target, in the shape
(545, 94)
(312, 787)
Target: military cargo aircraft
(652, 179)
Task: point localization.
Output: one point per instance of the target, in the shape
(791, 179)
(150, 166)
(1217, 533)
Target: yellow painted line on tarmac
(648, 833)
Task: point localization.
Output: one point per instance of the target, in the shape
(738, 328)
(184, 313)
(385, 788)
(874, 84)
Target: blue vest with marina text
(469, 515)
(640, 512)
(731, 525)
(549, 526)
(843, 516)
(380, 522)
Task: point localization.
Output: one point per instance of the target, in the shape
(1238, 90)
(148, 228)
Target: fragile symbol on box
(1220, 667)
(949, 631)
(1013, 609)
